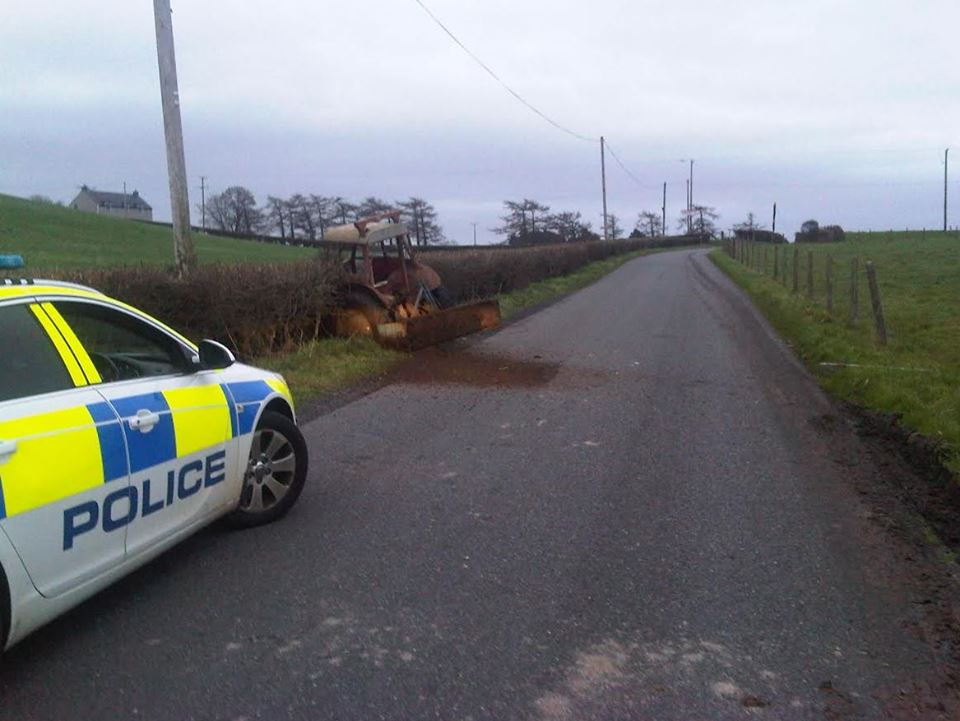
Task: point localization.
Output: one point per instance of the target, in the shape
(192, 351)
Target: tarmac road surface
(632, 504)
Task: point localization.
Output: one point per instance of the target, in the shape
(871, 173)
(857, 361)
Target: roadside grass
(918, 373)
(328, 364)
(54, 237)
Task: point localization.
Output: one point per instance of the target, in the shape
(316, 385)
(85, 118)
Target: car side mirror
(214, 356)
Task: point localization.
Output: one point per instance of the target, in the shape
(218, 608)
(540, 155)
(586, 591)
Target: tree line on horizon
(530, 222)
(308, 216)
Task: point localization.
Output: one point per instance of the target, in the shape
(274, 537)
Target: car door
(176, 419)
(64, 485)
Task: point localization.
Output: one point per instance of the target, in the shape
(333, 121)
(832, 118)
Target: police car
(118, 438)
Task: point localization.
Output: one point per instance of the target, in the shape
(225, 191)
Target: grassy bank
(331, 363)
(918, 373)
(50, 236)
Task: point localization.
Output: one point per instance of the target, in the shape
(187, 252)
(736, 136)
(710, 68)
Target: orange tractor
(388, 294)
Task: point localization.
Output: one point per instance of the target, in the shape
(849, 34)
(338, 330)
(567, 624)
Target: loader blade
(440, 326)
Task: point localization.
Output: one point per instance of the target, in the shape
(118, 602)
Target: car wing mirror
(214, 356)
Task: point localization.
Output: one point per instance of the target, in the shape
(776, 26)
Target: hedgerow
(259, 308)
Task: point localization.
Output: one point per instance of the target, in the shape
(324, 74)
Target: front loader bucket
(440, 326)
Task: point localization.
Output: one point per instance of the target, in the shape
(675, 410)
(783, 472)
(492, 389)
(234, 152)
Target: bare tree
(568, 225)
(301, 211)
(701, 219)
(749, 224)
(532, 208)
(274, 215)
(514, 220)
(322, 208)
(614, 229)
(421, 218)
(649, 224)
(521, 218)
(372, 205)
(343, 210)
(235, 211)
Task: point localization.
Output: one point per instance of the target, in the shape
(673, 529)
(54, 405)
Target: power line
(496, 77)
(626, 170)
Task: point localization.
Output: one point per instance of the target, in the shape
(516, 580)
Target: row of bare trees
(529, 221)
(307, 217)
(699, 220)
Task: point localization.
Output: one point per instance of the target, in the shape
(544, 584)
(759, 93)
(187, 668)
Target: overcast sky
(835, 109)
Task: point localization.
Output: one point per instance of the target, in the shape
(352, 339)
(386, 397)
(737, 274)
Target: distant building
(118, 205)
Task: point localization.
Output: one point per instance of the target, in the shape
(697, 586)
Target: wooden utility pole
(603, 181)
(946, 160)
(185, 256)
(474, 234)
(689, 226)
(203, 203)
(774, 228)
(663, 209)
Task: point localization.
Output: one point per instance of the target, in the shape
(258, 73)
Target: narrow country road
(633, 504)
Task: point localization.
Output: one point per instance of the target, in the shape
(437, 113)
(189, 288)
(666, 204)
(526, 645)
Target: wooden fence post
(830, 284)
(776, 262)
(764, 269)
(809, 275)
(796, 269)
(854, 292)
(876, 303)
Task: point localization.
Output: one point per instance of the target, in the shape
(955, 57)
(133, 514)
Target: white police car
(119, 438)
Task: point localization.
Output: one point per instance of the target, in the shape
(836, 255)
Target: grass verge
(917, 375)
(329, 364)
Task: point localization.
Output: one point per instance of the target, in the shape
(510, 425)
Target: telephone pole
(663, 209)
(203, 203)
(689, 195)
(184, 254)
(946, 160)
(474, 234)
(774, 217)
(603, 180)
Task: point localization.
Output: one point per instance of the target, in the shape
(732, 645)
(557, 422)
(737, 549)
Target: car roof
(22, 287)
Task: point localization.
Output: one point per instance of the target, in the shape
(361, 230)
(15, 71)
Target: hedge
(258, 308)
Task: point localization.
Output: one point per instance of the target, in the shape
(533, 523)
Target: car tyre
(275, 473)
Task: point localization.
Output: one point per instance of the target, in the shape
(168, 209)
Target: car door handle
(7, 449)
(144, 421)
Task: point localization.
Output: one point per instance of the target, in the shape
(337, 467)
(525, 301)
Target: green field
(918, 372)
(50, 236)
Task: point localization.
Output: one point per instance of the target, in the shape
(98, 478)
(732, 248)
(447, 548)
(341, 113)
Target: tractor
(387, 294)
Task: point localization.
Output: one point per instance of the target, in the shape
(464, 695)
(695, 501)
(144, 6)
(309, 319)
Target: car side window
(29, 362)
(121, 346)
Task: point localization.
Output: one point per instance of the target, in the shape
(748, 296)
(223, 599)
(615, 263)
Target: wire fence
(848, 289)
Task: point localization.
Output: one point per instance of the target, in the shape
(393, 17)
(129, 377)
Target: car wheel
(275, 473)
